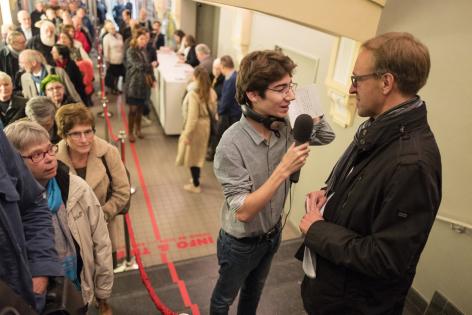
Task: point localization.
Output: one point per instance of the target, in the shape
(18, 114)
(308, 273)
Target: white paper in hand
(309, 258)
(307, 101)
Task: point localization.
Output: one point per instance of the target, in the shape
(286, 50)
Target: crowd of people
(61, 191)
(71, 184)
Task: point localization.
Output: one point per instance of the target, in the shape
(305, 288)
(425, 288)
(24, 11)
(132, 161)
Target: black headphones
(270, 122)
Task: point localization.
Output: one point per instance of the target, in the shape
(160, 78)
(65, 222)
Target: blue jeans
(245, 266)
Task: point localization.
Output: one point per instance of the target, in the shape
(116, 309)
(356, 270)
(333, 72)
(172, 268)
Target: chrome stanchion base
(102, 114)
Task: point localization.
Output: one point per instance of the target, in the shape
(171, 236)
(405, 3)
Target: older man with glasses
(9, 55)
(368, 226)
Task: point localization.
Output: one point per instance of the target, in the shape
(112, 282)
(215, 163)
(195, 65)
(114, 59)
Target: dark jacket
(378, 220)
(228, 105)
(36, 44)
(15, 111)
(76, 78)
(158, 41)
(218, 86)
(35, 17)
(34, 30)
(136, 70)
(192, 57)
(26, 231)
(9, 63)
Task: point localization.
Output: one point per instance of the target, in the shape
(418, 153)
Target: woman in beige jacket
(80, 230)
(86, 156)
(198, 105)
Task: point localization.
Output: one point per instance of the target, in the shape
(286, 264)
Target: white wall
(445, 27)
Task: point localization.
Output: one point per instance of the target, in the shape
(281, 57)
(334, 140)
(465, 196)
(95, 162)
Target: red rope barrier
(108, 123)
(144, 277)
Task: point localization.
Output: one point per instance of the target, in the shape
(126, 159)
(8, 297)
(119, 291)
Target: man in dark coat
(44, 41)
(366, 230)
(37, 13)
(16, 43)
(26, 234)
(12, 107)
(26, 27)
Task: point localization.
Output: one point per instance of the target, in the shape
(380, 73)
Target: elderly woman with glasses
(53, 87)
(80, 233)
(89, 157)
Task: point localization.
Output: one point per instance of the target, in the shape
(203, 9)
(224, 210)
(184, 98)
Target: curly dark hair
(258, 70)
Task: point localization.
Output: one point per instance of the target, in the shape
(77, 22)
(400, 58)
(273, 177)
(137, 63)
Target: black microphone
(301, 132)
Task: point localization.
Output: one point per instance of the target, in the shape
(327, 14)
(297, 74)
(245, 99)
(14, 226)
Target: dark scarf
(358, 146)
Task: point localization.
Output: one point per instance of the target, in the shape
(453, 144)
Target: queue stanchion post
(101, 72)
(130, 262)
(106, 132)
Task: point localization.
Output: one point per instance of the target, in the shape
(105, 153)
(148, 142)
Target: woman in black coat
(190, 54)
(61, 56)
(139, 80)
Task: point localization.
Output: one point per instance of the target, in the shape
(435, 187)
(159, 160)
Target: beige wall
(356, 19)
(445, 27)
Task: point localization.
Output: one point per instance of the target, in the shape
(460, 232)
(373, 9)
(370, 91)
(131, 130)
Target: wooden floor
(169, 223)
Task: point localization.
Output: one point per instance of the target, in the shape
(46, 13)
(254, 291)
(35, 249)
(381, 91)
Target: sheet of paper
(307, 101)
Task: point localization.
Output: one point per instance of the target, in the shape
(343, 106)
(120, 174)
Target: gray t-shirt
(244, 161)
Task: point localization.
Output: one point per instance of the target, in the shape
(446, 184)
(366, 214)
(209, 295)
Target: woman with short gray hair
(41, 109)
(81, 236)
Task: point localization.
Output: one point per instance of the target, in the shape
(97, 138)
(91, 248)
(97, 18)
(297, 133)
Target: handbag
(126, 207)
(149, 79)
(213, 122)
(63, 298)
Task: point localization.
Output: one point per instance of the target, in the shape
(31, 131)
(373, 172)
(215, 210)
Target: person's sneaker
(191, 188)
(146, 121)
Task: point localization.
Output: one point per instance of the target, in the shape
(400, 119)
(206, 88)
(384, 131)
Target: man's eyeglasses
(39, 156)
(356, 78)
(77, 135)
(284, 89)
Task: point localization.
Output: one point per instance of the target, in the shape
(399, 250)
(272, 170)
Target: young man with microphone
(253, 163)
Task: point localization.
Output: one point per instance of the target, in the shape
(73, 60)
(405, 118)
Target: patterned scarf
(63, 241)
(347, 161)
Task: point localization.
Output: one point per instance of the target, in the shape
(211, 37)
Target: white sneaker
(193, 189)
(146, 121)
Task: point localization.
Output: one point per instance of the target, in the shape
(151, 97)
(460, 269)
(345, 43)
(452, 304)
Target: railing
(456, 226)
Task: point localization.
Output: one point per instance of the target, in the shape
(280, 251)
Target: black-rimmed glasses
(39, 156)
(356, 78)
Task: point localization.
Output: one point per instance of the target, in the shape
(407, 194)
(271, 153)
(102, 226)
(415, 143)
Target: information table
(173, 77)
